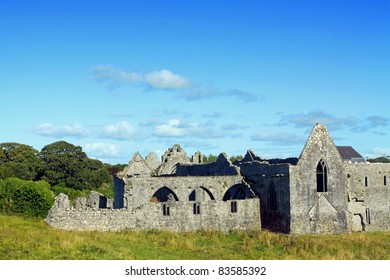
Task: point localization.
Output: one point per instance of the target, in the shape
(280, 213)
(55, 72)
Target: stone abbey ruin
(328, 189)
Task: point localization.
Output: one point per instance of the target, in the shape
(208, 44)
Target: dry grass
(22, 238)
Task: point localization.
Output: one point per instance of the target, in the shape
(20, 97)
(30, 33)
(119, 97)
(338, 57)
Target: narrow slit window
(366, 181)
(233, 207)
(166, 210)
(322, 176)
(196, 209)
(368, 216)
(384, 180)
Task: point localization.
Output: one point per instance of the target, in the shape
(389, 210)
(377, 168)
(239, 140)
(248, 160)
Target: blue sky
(117, 77)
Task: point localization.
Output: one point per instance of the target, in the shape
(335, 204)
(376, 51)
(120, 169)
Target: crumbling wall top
(137, 167)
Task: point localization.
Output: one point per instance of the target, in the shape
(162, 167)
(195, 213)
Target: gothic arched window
(322, 176)
(272, 198)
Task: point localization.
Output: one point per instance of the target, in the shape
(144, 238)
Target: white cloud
(110, 74)
(102, 72)
(279, 138)
(379, 152)
(179, 128)
(120, 131)
(232, 126)
(102, 150)
(67, 130)
(165, 79)
(354, 124)
(371, 122)
(170, 129)
(313, 117)
(113, 78)
(129, 77)
(209, 91)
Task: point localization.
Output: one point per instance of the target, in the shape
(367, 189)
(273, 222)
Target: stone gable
(327, 190)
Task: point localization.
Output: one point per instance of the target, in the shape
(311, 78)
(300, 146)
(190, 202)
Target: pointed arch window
(272, 198)
(322, 176)
(164, 194)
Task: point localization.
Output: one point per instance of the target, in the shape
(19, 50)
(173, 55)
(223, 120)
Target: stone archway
(237, 192)
(164, 194)
(200, 194)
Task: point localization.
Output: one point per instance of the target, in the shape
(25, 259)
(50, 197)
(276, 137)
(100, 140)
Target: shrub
(71, 193)
(26, 198)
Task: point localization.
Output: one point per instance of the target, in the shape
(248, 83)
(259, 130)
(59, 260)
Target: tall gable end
(317, 187)
(137, 167)
(250, 156)
(320, 146)
(152, 161)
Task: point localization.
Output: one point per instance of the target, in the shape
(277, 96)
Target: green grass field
(33, 239)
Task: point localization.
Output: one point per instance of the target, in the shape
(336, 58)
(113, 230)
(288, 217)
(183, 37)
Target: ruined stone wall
(313, 211)
(171, 158)
(319, 194)
(99, 220)
(212, 215)
(271, 184)
(222, 167)
(140, 191)
(368, 189)
(137, 167)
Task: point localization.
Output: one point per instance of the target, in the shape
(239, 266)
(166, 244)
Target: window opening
(238, 191)
(196, 209)
(385, 180)
(366, 181)
(200, 194)
(166, 210)
(272, 198)
(233, 207)
(322, 176)
(165, 194)
(368, 216)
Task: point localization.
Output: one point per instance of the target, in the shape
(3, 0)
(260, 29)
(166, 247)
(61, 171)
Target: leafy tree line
(29, 179)
(213, 158)
(19, 160)
(64, 166)
(383, 159)
(56, 163)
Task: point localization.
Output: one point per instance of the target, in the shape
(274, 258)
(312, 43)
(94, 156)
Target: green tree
(114, 168)
(210, 158)
(18, 160)
(65, 163)
(383, 159)
(25, 198)
(236, 158)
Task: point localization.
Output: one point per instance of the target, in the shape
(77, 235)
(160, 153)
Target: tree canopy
(383, 159)
(18, 160)
(63, 162)
(213, 158)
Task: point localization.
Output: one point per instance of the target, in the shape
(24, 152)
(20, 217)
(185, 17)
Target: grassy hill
(22, 238)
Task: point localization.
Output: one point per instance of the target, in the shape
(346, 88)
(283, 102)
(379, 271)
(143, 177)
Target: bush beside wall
(25, 198)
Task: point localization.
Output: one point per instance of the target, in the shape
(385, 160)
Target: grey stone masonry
(328, 190)
(318, 208)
